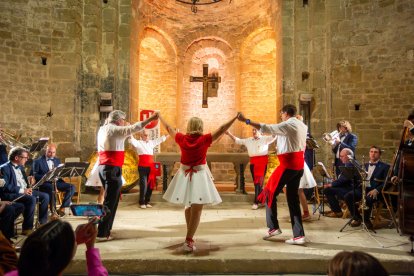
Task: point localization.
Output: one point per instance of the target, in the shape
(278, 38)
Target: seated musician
(17, 186)
(346, 139)
(44, 164)
(408, 143)
(377, 172)
(336, 190)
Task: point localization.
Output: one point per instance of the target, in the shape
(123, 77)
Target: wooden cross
(206, 80)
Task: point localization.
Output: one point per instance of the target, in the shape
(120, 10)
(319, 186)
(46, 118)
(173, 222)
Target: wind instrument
(331, 137)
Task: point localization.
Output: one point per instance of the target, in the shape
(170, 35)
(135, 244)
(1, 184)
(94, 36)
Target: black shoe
(61, 213)
(369, 225)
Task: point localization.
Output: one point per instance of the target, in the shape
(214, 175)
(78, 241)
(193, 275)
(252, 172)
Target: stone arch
(157, 73)
(219, 55)
(258, 76)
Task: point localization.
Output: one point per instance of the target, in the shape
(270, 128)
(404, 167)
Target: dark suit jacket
(380, 172)
(3, 154)
(10, 189)
(40, 167)
(343, 181)
(349, 142)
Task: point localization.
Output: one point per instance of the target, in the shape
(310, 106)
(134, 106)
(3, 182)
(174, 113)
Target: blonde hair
(346, 125)
(195, 126)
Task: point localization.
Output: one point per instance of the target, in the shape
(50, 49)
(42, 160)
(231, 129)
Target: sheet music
(324, 169)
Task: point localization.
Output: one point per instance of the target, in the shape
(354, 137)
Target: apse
(239, 43)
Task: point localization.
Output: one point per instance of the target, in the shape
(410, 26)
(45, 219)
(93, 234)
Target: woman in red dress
(192, 185)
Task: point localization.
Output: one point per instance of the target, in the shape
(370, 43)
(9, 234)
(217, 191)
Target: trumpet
(11, 140)
(330, 137)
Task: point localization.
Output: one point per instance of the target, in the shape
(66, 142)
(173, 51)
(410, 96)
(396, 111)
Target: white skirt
(307, 181)
(199, 190)
(93, 179)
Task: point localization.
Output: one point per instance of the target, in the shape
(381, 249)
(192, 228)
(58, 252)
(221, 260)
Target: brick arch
(258, 77)
(156, 85)
(219, 55)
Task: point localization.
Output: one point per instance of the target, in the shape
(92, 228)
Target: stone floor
(229, 241)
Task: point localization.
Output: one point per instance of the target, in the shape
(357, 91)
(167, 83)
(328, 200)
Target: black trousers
(349, 199)
(290, 178)
(145, 191)
(111, 178)
(7, 218)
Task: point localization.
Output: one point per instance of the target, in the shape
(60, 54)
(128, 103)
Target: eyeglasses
(282, 112)
(24, 157)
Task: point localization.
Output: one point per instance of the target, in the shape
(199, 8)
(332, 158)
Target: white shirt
(371, 170)
(342, 139)
(112, 137)
(291, 135)
(256, 147)
(21, 183)
(146, 147)
(50, 164)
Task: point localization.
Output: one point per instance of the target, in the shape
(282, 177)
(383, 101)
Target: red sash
(259, 165)
(146, 160)
(111, 158)
(291, 161)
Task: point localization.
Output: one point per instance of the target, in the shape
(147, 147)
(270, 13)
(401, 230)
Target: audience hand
(86, 233)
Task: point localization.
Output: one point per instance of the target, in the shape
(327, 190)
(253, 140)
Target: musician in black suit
(44, 164)
(17, 185)
(377, 172)
(346, 139)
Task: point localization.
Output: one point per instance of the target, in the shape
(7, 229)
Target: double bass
(403, 168)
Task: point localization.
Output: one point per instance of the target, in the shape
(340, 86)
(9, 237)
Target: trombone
(11, 140)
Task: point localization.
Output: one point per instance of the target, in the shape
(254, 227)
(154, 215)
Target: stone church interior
(344, 64)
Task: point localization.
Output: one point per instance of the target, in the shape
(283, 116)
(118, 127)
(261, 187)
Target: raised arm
(169, 129)
(220, 131)
(243, 119)
(230, 135)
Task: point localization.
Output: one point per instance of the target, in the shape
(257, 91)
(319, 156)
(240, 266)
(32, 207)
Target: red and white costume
(193, 182)
(291, 144)
(145, 150)
(257, 148)
(111, 143)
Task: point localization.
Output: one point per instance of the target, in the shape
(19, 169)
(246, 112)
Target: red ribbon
(291, 161)
(259, 165)
(190, 171)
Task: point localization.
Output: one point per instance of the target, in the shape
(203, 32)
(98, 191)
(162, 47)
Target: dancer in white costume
(193, 184)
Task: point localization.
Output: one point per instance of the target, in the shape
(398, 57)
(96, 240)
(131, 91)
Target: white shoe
(149, 206)
(104, 239)
(189, 246)
(255, 207)
(143, 206)
(297, 240)
(271, 233)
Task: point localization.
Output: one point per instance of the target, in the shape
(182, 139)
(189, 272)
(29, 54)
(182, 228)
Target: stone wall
(357, 53)
(41, 100)
(86, 44)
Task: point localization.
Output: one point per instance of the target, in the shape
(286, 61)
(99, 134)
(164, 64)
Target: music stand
(325, 176)
(38, 146)
(311, 143)
(73, 169)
